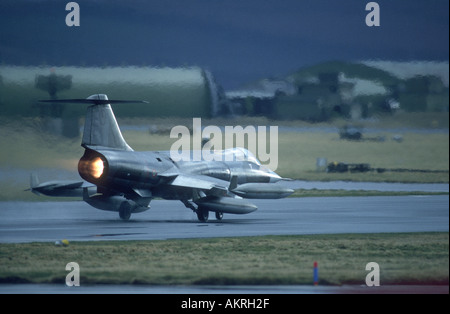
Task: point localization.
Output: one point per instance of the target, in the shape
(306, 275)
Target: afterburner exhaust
(92, 167)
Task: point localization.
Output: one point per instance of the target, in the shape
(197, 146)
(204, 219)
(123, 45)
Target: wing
(65, 185)
(209, 185)
(62, 188)
(212, 194)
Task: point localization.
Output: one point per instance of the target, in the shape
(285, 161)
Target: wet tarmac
(77, 221)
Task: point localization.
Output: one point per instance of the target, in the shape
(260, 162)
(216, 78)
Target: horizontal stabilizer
(97, 99)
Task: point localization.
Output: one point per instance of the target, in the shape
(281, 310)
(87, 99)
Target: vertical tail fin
(34, 180)
(101, 128)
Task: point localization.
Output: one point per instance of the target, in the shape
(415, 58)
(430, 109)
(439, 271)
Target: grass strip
(404, 258)
(349, 193)
(27, 147)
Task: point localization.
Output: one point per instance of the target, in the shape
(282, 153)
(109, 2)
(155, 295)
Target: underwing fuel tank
(226, 205)
(261, 191)
(113, 203)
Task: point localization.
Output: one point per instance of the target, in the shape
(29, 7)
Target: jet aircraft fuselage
(128, 180)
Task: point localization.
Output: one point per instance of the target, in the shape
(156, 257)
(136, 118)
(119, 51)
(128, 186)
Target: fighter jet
(127, 180)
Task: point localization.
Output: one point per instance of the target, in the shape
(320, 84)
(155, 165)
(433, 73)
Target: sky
(239, 41)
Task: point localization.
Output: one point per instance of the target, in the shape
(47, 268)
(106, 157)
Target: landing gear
(125, 211)
(219, 215)
(202, 214)
(201, 211)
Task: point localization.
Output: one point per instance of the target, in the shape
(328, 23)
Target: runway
(77, 221)
(230, 291)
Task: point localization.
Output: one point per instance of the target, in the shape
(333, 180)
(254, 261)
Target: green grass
(409, 258)
(351, 193)
(26, 147)
(417, 151)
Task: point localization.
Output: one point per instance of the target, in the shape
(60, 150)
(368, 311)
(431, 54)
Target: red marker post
(316, 274)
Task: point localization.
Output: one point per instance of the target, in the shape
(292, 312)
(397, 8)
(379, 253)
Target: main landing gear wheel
(202, 214)
(219, 215)
(125, 211)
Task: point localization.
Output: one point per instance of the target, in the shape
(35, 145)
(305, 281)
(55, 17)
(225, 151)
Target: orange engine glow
(93, 167)
(96, 167)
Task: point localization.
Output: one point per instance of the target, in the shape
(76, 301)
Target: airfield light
(96, 167)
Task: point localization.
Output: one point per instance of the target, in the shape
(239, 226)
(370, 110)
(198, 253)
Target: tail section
(34, 183)
(101, 128)
(34, 180)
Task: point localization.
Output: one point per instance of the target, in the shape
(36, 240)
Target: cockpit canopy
(237, 154)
